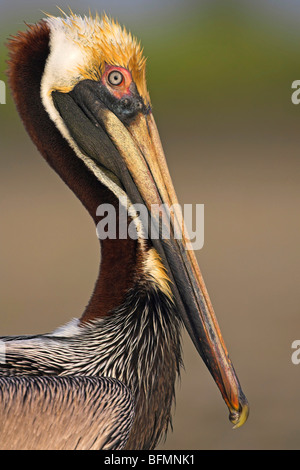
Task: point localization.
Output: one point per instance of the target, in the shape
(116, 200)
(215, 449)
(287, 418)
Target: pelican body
(106, 380)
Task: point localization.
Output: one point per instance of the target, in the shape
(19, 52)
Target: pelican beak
(131, 151)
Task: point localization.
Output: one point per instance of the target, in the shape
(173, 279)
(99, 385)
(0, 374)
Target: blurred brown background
(220, 76)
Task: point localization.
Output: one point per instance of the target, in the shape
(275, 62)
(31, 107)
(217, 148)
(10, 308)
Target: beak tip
(238, 418)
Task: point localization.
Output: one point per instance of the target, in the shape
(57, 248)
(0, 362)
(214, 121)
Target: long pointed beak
(141, 149)
(137, 159)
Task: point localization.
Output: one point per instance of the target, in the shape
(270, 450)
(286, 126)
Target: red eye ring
(115, 78)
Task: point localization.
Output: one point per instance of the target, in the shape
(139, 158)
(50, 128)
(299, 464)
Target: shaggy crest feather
(101, 40)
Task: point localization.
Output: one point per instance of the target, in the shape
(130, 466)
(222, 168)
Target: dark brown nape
(28, 53)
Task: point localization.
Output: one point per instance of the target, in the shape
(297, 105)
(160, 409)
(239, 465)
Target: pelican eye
(115, 78)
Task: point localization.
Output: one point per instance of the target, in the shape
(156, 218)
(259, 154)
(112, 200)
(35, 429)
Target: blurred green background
(219, 75)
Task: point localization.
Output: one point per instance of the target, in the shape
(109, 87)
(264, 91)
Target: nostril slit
(126, 102)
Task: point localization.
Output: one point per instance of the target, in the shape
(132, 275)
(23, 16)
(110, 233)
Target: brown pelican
(106, 380)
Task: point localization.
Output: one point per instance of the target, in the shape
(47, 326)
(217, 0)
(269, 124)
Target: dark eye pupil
(115, 78)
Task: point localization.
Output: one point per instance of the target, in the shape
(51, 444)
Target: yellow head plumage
(99, 41)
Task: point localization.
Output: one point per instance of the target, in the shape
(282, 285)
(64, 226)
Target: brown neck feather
(28, 53)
